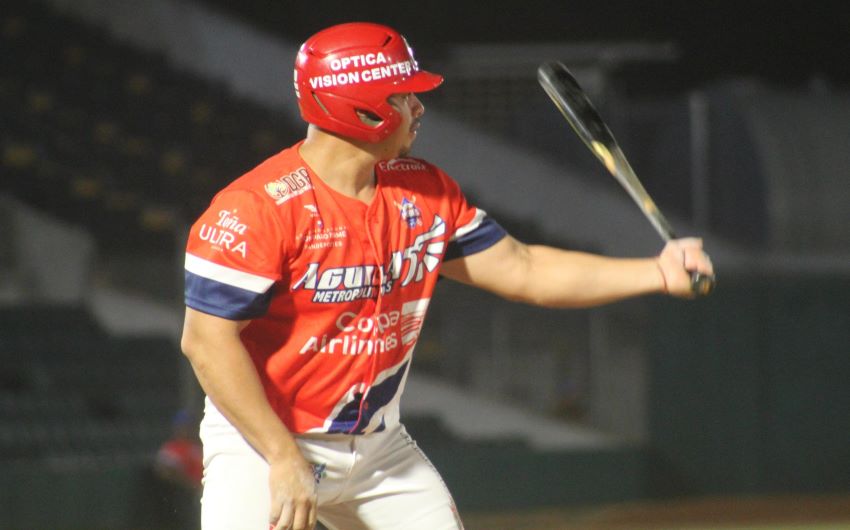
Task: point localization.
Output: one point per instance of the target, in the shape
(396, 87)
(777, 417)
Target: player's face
(411, 111)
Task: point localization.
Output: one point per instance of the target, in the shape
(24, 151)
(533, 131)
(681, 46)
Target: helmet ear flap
(342, 115)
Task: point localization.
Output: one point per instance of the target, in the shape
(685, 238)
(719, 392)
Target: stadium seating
(114, 138)
(68, 389)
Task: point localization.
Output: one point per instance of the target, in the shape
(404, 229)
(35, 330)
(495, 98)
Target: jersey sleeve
(233, 257)
(474, 230)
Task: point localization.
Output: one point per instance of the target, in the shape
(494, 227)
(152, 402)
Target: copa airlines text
(348, 343)
(360, 334)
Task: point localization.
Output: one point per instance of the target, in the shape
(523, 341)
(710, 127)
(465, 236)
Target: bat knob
(702, 284)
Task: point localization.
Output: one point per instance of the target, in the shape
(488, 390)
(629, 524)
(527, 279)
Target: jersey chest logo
(354, 282)
(409, 212)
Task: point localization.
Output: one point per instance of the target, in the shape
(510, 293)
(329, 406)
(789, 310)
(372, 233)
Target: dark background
(783, 42)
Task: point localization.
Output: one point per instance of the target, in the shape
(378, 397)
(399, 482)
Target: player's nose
(417, 109)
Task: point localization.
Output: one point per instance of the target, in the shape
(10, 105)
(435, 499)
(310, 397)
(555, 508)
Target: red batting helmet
(356, 67)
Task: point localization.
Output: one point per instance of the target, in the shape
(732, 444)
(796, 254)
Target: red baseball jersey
(336, 289)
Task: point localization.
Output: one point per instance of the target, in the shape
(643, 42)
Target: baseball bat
(560, 85)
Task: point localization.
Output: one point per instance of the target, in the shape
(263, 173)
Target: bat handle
(702, 284)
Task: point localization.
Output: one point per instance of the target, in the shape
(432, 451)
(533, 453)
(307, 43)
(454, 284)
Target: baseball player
(307, 283)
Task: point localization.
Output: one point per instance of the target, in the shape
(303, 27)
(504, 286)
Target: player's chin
(405, 149)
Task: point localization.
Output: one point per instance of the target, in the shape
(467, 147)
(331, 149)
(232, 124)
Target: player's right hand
(678, 260)
(293, 495)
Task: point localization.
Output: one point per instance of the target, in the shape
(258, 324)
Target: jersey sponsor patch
(402, 164)
(288, 186)
(323, 237)
(371, 334)
(223, 237)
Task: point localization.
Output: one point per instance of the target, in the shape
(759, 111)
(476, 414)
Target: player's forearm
(228, 377)
(560, 278)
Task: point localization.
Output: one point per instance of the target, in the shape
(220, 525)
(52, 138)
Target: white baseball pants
(378, 481)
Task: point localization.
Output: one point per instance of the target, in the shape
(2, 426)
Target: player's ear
(369, 118)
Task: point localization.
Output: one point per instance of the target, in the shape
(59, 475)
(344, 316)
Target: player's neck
(345, 166)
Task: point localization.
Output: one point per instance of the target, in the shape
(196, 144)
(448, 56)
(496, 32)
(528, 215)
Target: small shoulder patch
(402, 164)
(289, 185)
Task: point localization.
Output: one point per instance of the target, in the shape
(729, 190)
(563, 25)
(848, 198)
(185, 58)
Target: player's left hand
(293, 494)
(678, 259)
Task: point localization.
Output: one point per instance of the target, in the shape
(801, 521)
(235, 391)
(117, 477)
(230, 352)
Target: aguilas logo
(344, 284)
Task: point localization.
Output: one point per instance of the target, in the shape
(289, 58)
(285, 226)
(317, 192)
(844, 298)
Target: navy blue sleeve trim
(225, 301)
(487, 234)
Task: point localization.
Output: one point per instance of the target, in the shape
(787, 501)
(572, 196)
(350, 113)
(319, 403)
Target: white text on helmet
(366, 59)
(364, 76)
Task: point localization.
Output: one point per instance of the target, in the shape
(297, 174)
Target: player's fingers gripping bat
(571, 100)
